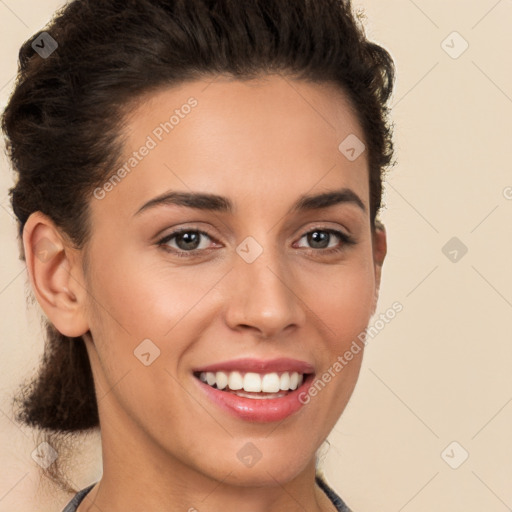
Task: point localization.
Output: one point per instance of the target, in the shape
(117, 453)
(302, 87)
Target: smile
(256, 390)
(254, 385)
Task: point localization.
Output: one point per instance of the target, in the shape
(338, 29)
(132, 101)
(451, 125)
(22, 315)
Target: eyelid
(332, 231)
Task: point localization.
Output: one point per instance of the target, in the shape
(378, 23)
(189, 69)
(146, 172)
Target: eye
(185, 240)
(320, 240)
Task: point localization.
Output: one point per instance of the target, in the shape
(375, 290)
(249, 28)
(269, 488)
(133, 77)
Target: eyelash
(346, 240)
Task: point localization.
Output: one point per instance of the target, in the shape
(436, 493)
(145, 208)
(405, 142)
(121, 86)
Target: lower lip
(259, 410)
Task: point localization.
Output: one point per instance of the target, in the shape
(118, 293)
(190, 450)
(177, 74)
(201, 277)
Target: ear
(55, 275)
(379, 244)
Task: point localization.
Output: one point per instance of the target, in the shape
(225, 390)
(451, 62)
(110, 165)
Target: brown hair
(65, 116)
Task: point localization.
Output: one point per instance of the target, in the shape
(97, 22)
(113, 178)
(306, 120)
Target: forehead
(260, 139)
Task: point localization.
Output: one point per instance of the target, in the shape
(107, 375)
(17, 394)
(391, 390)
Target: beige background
(440, 371)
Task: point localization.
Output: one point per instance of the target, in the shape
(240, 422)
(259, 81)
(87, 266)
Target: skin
(262, 144)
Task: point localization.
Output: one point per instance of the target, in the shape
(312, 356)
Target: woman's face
(272, 284)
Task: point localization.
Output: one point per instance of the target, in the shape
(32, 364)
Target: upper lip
(283, 364)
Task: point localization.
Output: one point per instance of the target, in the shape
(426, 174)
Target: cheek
(148, 299)
(342, 297)
(343, 303)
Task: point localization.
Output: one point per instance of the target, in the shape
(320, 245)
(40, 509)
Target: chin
(252, 468)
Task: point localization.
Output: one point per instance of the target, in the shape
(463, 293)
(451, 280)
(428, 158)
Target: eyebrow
(213, 202)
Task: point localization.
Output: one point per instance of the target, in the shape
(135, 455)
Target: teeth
(270, 383)
(210, 378)
(221, 379)
(285, 381)
(253, 382)
(235, 381)
(294, 380)
(261, 397)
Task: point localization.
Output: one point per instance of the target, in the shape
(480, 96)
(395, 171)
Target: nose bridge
(261, 293)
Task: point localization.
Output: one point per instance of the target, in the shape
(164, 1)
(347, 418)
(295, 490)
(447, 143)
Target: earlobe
(54, 275)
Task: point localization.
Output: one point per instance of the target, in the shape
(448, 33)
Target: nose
(262, 298)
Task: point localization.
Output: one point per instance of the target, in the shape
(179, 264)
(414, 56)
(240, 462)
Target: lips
(256, 390)
(283, 364)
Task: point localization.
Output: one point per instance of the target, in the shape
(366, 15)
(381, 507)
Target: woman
(198, 185)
